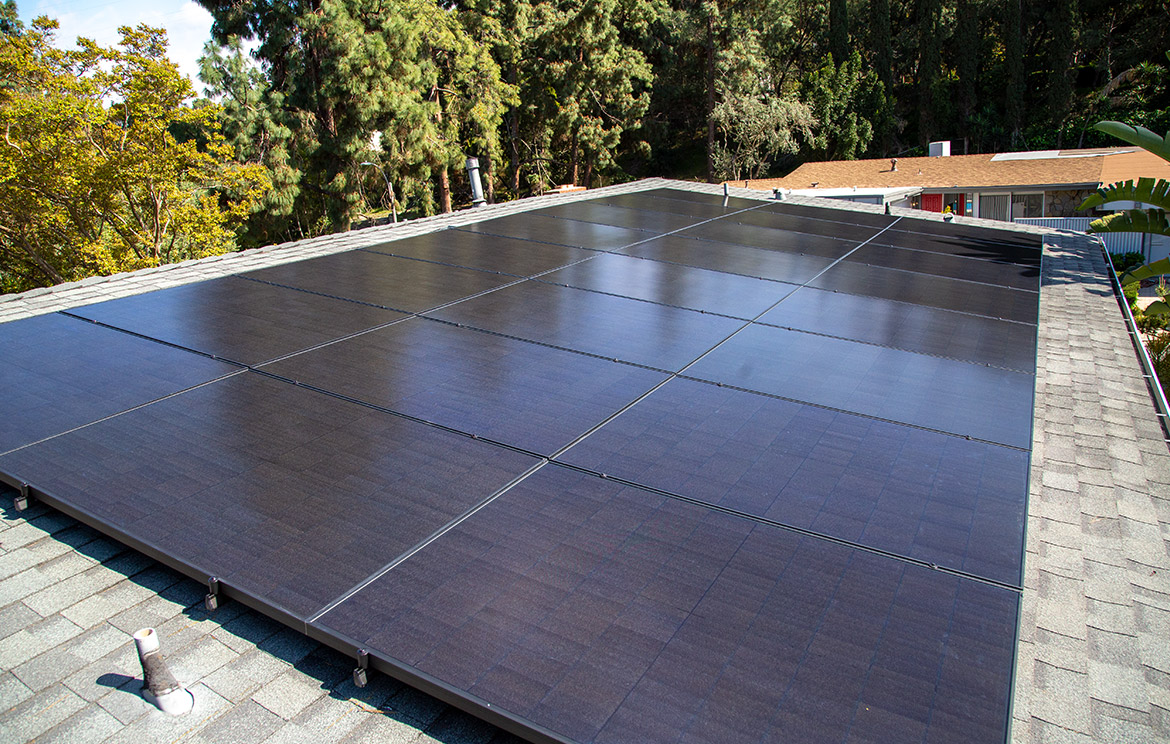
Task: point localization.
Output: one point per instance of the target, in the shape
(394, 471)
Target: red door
(932, 202)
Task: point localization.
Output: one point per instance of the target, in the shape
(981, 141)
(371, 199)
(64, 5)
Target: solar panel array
(654, 466)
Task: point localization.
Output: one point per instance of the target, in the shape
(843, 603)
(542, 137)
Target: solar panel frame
(930, 497)
(573, 233)
(773, 239)
(608, 326)
(607, 214)
(670, 284)
(500, 389)
(989, 300)
(240, 320)
(985, 613)
(403, 284)
(620, 633)
(779, 266)
(903, 325)
(473, 250)
(59, 372)
(278, 506)
(946, 395)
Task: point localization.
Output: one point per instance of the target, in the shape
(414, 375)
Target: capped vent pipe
(477, 199)
(160, 688)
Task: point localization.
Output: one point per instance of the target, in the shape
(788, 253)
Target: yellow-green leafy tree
(104, 165)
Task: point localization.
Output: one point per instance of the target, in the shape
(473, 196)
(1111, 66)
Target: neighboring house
(1005, 186)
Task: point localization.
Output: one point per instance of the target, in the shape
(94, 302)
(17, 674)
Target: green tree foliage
(583, 87)
(1155, 193)
(849, 103)
(1152, 219)
(103, 166)
(340, 71)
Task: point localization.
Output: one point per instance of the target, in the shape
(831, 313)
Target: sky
(188, 25)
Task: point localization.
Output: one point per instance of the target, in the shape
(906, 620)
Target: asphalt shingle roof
(1093, 658)
(972, 171)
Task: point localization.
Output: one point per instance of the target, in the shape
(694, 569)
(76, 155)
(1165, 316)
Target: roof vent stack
(477, 199)
(940, 149)
(160, 687)
(893, 164)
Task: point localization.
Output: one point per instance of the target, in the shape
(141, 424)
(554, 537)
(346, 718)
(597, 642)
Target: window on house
(1027, 205)
(993, 207)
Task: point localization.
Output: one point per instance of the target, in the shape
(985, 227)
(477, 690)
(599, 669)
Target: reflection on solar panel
(651, 466)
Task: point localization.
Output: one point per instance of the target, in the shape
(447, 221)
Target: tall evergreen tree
(1013, 42)
(839, 30)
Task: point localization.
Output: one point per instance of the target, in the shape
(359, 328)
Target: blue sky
(188, 25)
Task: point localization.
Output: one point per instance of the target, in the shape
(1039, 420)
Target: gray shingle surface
(1094, 653)
(1096, 610)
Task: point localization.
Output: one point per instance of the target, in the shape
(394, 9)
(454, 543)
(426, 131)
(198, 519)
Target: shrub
(1123, 262)
(1159, 347)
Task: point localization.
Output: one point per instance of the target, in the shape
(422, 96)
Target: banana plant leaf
(1158, 307)
(1139, 136)
(1146, 190)
(1157, 268)
(1135, 220)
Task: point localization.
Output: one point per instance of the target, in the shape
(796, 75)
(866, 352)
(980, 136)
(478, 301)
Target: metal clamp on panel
(360, 677)
(211, 601)
(22, 499)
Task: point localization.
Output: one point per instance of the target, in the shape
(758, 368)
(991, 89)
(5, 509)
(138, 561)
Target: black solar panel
(607, 214)
(779, 220)
(964, 240)
(576, 233)
(845, 216)
(289, 494)
(609, 614)
(902, 325)
(932, 291)
(813, 533)
(232, 318)
(941, 499)
(486, 252)
(521, 394)
(612, 327)
(732, 202)
(776, 265)
(956, 397)
(399, 283)
(1018, 276)
(671, 284)
(803, 243)
(662, 201)
(58, 372)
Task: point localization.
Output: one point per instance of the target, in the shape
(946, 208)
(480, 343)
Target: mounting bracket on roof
(22, 499)
(360, 678)
(211, 601)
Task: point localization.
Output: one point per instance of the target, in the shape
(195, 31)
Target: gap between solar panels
(545, 460)
(423, 313)
(128, 410)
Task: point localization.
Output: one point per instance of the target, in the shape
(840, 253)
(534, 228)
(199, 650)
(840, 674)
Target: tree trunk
(588, 171)
(53, 275)
(513, 142)
(838, 31)
(710, 99)
(489, 183)
(574, 160)
(444, 189)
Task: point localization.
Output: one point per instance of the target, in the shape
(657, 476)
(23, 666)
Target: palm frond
(1156, 193)
(1134, 220)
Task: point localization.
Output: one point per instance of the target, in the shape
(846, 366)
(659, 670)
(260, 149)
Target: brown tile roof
(972, 171)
